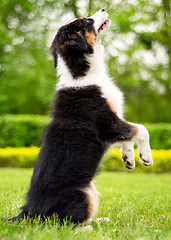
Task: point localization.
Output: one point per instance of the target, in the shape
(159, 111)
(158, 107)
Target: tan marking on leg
(135, 130)
(92, 200)
(91, 37)
(110, 104)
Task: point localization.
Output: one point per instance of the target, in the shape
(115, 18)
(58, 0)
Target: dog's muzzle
(101, 21)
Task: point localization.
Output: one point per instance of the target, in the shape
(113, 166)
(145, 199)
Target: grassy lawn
(138, 206)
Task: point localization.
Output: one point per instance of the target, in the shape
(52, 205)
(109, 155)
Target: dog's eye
(90, 20)
(79, 32)
(85, 22)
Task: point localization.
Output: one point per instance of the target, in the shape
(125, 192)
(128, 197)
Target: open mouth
(104, 26)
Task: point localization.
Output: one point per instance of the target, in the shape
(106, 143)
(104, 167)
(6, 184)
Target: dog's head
(80, 36)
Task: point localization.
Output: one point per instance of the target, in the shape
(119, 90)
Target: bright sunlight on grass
(138, 206)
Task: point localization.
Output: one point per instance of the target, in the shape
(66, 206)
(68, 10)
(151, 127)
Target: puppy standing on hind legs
(87, 117)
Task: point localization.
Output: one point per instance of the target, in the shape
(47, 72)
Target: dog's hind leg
(76, 206)
(91, 194)
(83, 208)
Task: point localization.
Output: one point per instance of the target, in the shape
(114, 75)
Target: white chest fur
(96, 75)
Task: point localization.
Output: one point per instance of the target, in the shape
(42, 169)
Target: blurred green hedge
(26, 130)
(112, 160)
(160, 135)
(22, 130)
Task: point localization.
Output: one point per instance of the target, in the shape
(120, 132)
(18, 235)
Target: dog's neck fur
(96, 75)
(96, 64)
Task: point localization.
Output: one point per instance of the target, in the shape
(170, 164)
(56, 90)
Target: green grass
(138, 206)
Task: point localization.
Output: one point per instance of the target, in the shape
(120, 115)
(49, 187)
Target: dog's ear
(76, 41)
(55, 57)
(54, 52)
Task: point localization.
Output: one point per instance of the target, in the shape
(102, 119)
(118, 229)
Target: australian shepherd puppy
(87, 118)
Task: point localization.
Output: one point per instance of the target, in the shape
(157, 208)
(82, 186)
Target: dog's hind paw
(104, 219)
(84, 228)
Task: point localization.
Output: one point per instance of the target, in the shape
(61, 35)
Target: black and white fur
(87, 118)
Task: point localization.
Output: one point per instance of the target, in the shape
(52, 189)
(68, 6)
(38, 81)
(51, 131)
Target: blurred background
(137, 54)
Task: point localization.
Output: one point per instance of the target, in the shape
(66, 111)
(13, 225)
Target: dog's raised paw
(127, 163)
(127, 151)
(146, 159)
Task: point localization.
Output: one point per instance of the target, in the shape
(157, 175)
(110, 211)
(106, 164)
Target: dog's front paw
(146, 157)
(144, 145)
(127, 151)
(129, 163)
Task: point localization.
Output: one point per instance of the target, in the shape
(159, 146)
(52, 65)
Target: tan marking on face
(63, 46)
(91, 37)
(92, 200)
(82, 18)
(110, 104)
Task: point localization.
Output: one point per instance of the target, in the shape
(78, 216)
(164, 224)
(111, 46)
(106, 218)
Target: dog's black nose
(103, 10)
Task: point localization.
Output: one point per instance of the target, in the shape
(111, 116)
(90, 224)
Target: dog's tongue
(103, 26)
